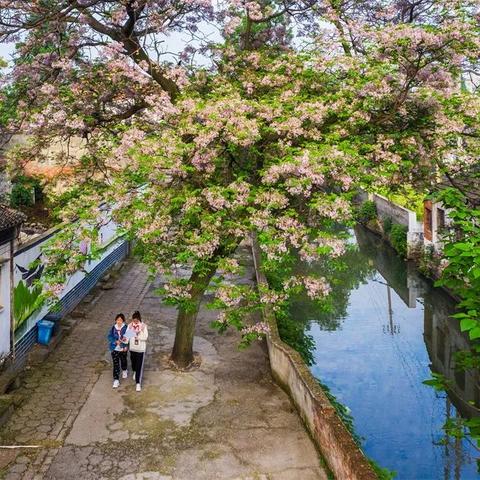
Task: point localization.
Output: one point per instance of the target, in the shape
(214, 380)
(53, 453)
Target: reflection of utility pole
(391, 328)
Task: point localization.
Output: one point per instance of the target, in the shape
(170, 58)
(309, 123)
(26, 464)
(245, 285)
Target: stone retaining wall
(400, 215)
(344, 458)
(388, 209)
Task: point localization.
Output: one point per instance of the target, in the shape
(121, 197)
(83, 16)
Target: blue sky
(6, 50)
(175, 42)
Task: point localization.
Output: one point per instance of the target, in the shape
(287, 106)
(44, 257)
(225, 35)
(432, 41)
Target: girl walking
(118, 347)
(138, 345)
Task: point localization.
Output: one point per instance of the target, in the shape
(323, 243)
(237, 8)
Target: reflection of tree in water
(385, 259)
(344, 274)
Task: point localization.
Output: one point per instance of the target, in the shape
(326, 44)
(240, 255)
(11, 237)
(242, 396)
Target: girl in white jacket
(137, 346)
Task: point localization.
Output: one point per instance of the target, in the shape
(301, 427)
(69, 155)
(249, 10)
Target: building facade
(10, 223)
(21, 269)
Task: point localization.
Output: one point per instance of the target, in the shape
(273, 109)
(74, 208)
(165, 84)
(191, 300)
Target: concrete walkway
(225, 420)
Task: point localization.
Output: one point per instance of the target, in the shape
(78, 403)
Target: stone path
(225, 420)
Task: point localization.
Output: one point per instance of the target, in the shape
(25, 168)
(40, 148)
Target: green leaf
(26, 302)
(474, 333)
(468, 324)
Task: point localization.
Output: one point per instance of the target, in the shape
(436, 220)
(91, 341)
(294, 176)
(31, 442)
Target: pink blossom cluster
(54, 289)
(177, 291)
(190, 202)
(310, 250)
(261, 220)
(444, 262)
(302, 168)
(203, 247)
(159, 108)
(294, 230)
(229, 295)
(314, 112)
(309, 253)
(291, 127)
(229, 265)
(337, 209)
(222, 317)
(118, 16)
(241, 193)
(129, 140)
(214, 198)
(254, 10)
(316, 287)
(271, 199)
(383, 152)
(275, 250)
(273, 298)
(179, 76)
(230, 117)
(237, 193)
(156, 229)
(232, 25)
(203, 160)
(260, 329)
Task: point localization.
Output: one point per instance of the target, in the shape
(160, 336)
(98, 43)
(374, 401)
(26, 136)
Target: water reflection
(389, 329)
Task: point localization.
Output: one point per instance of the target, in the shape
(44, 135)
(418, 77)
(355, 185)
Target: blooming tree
(300, 104)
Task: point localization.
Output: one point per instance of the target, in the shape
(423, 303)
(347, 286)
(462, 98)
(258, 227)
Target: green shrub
(24, 191)
(398, 239)
(367, 211)
(21, 195)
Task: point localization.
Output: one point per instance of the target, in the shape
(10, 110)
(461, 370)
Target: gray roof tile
(10, 218)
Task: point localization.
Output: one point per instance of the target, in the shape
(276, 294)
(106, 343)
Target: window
(440, 219)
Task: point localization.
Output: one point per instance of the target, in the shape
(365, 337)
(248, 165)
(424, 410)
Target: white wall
(401, 215)
(4, 299)
(32, 250)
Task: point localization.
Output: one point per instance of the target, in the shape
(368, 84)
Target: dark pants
(137, 365)
(119, 360)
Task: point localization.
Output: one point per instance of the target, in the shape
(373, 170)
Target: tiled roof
(10, 218)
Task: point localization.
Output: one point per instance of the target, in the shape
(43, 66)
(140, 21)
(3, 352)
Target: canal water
(389, 329)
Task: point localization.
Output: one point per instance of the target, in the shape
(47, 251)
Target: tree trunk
(182, 354)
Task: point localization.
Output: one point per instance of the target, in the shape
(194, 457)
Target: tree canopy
(294, 106)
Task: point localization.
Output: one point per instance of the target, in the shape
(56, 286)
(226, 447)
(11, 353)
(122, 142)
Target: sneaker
(139, 388)
(125, 374)
(116, 383)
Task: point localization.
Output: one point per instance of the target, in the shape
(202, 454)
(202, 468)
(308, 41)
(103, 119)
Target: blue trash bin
(55, 318)
(45, 329)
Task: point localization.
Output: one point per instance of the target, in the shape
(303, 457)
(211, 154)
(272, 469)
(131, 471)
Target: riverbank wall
(388, 211)
(343, 456)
